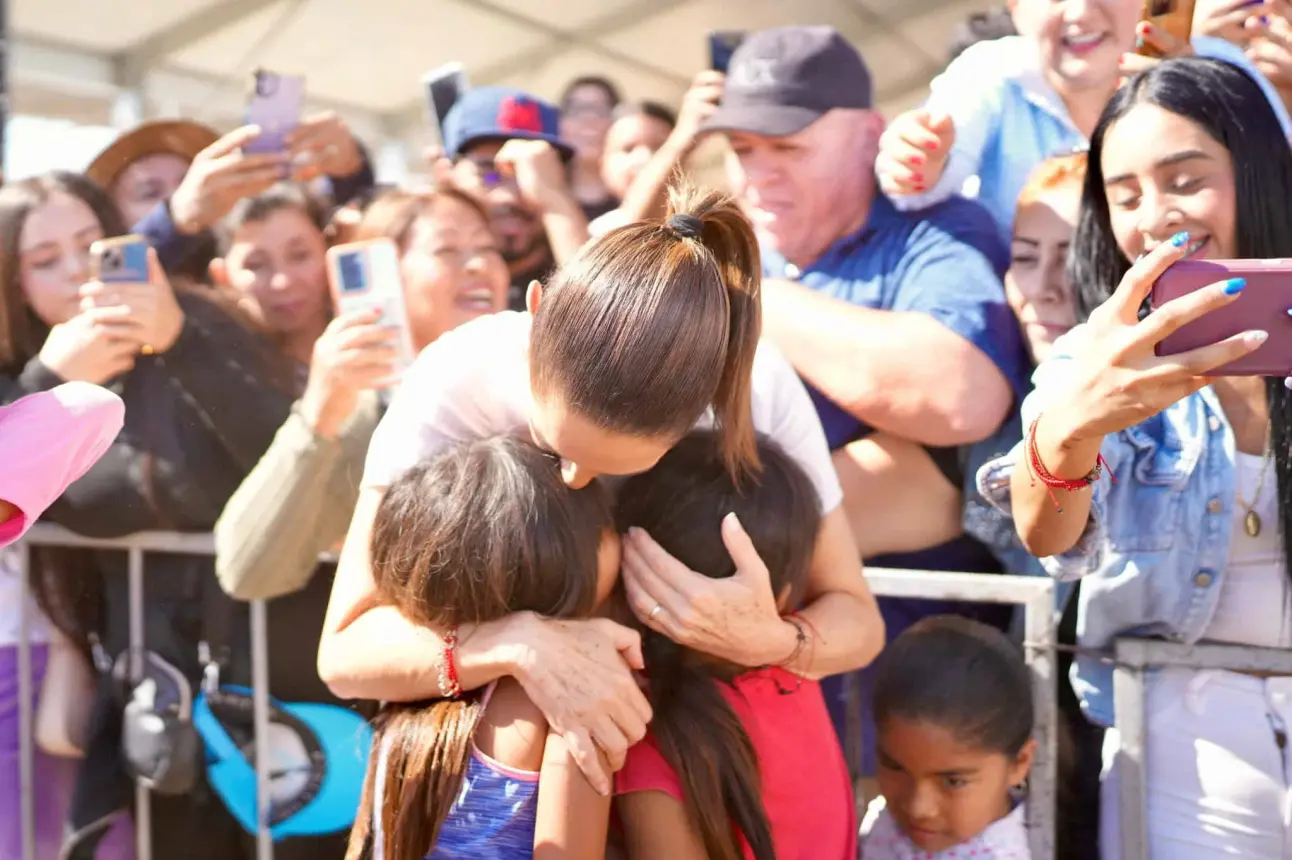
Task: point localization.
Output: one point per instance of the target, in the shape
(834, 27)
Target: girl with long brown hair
(482, 776)
(739, 762)
(651, 329)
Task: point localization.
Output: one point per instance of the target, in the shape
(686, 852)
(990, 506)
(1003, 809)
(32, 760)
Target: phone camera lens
(111, 260)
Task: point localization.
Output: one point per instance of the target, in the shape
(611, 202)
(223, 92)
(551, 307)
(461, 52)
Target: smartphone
(444, 86)
(1263, 306)
(1175, 17)
(120, 260)
(722, 44)
(275, 106)
(366, 275)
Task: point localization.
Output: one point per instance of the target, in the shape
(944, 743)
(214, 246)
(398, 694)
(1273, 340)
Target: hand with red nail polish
(913, 152)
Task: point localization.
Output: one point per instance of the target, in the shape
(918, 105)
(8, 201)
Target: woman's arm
(293, 506)
(656, 827)
(576, 672)
(573, 817)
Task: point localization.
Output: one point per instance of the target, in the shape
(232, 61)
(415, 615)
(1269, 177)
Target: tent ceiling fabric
(365, 57)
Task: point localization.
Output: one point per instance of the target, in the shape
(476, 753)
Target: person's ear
(219, 272)
(533, 296)
(1022, 764)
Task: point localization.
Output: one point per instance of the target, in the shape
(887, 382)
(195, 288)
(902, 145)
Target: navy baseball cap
(501, 114)
(781, 81)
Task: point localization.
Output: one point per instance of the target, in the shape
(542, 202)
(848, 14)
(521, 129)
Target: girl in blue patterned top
(480, 776)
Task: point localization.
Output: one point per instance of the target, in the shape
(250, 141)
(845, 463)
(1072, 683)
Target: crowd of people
(599, 585)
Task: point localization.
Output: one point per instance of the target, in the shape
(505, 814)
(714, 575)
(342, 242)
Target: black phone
(444, 87)
(722, 44)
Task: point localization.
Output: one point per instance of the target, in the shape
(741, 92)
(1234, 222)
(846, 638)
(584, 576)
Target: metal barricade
(1036, 596)
(1134, 658)
(135, 546)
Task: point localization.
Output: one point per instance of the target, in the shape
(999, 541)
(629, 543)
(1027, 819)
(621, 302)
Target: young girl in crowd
(481, 776)
(953, 706)
(738, 762)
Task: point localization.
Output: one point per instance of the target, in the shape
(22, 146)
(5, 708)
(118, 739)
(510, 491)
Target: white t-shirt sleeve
(784, 413)
(472, 383)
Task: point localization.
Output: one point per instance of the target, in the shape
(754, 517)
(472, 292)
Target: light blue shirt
(1154, 553)
(1009, 119)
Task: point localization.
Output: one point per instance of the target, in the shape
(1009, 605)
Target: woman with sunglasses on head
(1189, 543)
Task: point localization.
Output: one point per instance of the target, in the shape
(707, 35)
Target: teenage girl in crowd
(203, 395)
(1189, 543)
(739, 763)
(482, 776)
(953, 706)
(607, 378)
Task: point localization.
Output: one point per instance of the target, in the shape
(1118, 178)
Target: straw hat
(181, 137)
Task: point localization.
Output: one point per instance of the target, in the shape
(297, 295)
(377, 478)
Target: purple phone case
(1263, 306)
(276, 112)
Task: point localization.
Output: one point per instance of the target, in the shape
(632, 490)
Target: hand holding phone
(129, 276)
(364, 277)
(1117, 377)
(355, 353)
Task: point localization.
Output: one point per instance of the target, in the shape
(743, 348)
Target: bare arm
(656, 827)
(567, 228)
(1050, 526)
(573, 817)
(899, 371)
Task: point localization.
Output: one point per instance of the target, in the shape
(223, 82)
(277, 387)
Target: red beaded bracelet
(1053, 482)
(449, 683)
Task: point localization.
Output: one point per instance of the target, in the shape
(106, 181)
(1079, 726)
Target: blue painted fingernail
(1234, 286)
(1265, 20)
(1179, 240)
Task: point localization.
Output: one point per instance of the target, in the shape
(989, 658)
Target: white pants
(1217, 764)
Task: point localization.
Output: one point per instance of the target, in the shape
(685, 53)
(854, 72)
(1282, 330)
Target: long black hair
(1226, 103)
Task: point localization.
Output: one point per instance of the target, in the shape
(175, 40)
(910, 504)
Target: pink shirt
(806, 790)
(47, 441)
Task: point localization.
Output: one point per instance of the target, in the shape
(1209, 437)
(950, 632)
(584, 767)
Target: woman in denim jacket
(1187, 544)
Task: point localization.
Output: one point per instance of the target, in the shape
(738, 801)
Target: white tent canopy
(115, 63)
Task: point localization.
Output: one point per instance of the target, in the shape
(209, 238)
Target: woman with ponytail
(739, 762)
(651, 330)
(481, 776)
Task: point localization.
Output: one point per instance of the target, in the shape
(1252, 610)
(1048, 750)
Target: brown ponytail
(654, 323)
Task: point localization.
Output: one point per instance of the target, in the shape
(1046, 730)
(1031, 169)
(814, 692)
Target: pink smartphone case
(1262, 306)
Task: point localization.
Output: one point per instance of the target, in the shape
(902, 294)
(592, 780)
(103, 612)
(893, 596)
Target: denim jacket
(1154, 552)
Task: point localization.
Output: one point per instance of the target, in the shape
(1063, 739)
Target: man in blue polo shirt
(896, 321)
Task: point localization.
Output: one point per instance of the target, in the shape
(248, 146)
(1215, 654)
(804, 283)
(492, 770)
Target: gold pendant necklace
(1252, 520)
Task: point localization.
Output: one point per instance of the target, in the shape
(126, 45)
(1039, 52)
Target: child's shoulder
(998, 61)
(513, 731)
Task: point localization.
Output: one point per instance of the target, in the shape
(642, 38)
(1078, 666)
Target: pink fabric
(806, 790)
(47, 441)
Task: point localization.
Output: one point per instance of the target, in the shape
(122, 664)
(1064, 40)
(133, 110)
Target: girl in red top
(738, 763)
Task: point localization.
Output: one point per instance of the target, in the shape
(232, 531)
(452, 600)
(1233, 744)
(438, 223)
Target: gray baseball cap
(781, 81)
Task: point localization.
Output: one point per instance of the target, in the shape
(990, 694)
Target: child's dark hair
(681, 503)
(962, 676)
(485, 529)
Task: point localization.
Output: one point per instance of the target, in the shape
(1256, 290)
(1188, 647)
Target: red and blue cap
(495, 114)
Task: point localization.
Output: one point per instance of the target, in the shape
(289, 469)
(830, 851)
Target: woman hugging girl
(740, 763)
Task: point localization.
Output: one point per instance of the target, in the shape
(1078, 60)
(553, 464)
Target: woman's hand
(1269, 43)
(913, 152)
(699, 103)
(323, 146)
(579, 674)
(95, 346)
(1117, 380)
(353, 354)
(1227, 19)
(220, 176)
(736, 618)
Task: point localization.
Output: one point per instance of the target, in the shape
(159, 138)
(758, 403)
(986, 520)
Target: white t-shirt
(473, 383)
(11, 601)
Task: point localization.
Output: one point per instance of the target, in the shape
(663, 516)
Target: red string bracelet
(449, 683)
(1053, 482)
